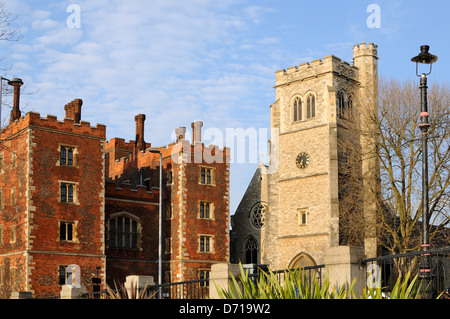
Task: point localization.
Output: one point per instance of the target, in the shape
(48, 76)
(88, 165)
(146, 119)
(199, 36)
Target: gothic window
(251, 251)
(310, 106)
(297, 109)
(257, 215)
(123, 232)
(344, 106)
(204, 275)
(302, 216)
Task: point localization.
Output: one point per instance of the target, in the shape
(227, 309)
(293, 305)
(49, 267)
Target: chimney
(197, 131)
(73, 110)
(140, 143)
(180, 133)
(15, 112)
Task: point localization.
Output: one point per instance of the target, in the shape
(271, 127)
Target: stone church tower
(291, 215)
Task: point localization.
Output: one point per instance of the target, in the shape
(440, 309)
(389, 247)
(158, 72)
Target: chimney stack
(73, 110)
(140, 143)
(180, 133)
(197, 131)
(15, 112)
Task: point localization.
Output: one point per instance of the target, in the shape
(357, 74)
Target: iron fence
(385, 270)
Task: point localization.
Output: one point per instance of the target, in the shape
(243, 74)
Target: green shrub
(297, 285)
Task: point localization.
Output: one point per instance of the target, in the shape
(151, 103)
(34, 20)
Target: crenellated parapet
(314, 69)
(130, 192)
(51, 122)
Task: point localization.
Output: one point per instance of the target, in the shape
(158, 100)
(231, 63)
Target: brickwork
(182, 192)
(33, 206)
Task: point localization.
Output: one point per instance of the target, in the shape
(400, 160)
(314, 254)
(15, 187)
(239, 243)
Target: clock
(302, 160)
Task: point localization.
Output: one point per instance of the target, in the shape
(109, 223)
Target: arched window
(123, 232)
(251, 251)
(297, 109)
(310, 106)
(344, 106)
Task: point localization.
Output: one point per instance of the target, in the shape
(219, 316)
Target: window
(344, 106)
(1, 199)
(205, 243)
(297, 109)
(12, 235)
(204, 275)
(66, 231)
(13, 160)
(169, 213)
(257, 215)
(67, 155)
(302, 216)
(1, 234)
(205, 210)
(67, 192)
(169, 177)
(206, 176)
(310, 106)
(168, 245)
(251, 251)
(63, 275)
(13, 196)
(123, 232)
(12, 276)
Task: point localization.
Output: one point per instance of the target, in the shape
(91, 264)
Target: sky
(181, 61)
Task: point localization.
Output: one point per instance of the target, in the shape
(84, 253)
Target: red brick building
(195, 210)
(69, 197)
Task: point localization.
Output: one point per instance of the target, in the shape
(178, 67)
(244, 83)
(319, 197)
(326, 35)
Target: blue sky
(181, 61)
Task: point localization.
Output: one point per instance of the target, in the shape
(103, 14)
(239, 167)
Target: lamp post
(159, 222)
(424, 57)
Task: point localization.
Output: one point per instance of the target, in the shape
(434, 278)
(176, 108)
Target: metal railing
(385, 270)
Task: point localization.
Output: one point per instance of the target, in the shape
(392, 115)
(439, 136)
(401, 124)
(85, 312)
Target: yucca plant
(297, 285)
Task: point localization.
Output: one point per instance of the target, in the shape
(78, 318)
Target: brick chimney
(197, 131)
(180, 133)
(15, 112)
(73, 110)
(140, 143)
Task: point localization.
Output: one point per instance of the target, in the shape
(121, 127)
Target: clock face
(302, 160)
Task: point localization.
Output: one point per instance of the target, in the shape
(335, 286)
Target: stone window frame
(168, 245)
(344, 105)
(74, 231)
(204, 273)
(2, 163)
(133, 218)
(251, 240)
(302, 216)
(258, 220)
(211, 210)
(75, 189)
(75, 154)
(304, 110)
(12, 234)
(212, 171)
(208, 241)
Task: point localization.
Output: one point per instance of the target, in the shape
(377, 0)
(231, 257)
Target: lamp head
(424, 57)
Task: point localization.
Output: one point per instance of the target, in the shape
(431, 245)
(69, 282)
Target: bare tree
(396, 132)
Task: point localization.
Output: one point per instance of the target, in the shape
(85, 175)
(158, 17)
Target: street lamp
(160, 221)
(424, 57)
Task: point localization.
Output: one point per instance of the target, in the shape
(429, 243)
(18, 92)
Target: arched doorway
(302, 260)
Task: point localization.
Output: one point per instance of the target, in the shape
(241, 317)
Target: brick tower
(52, 202)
